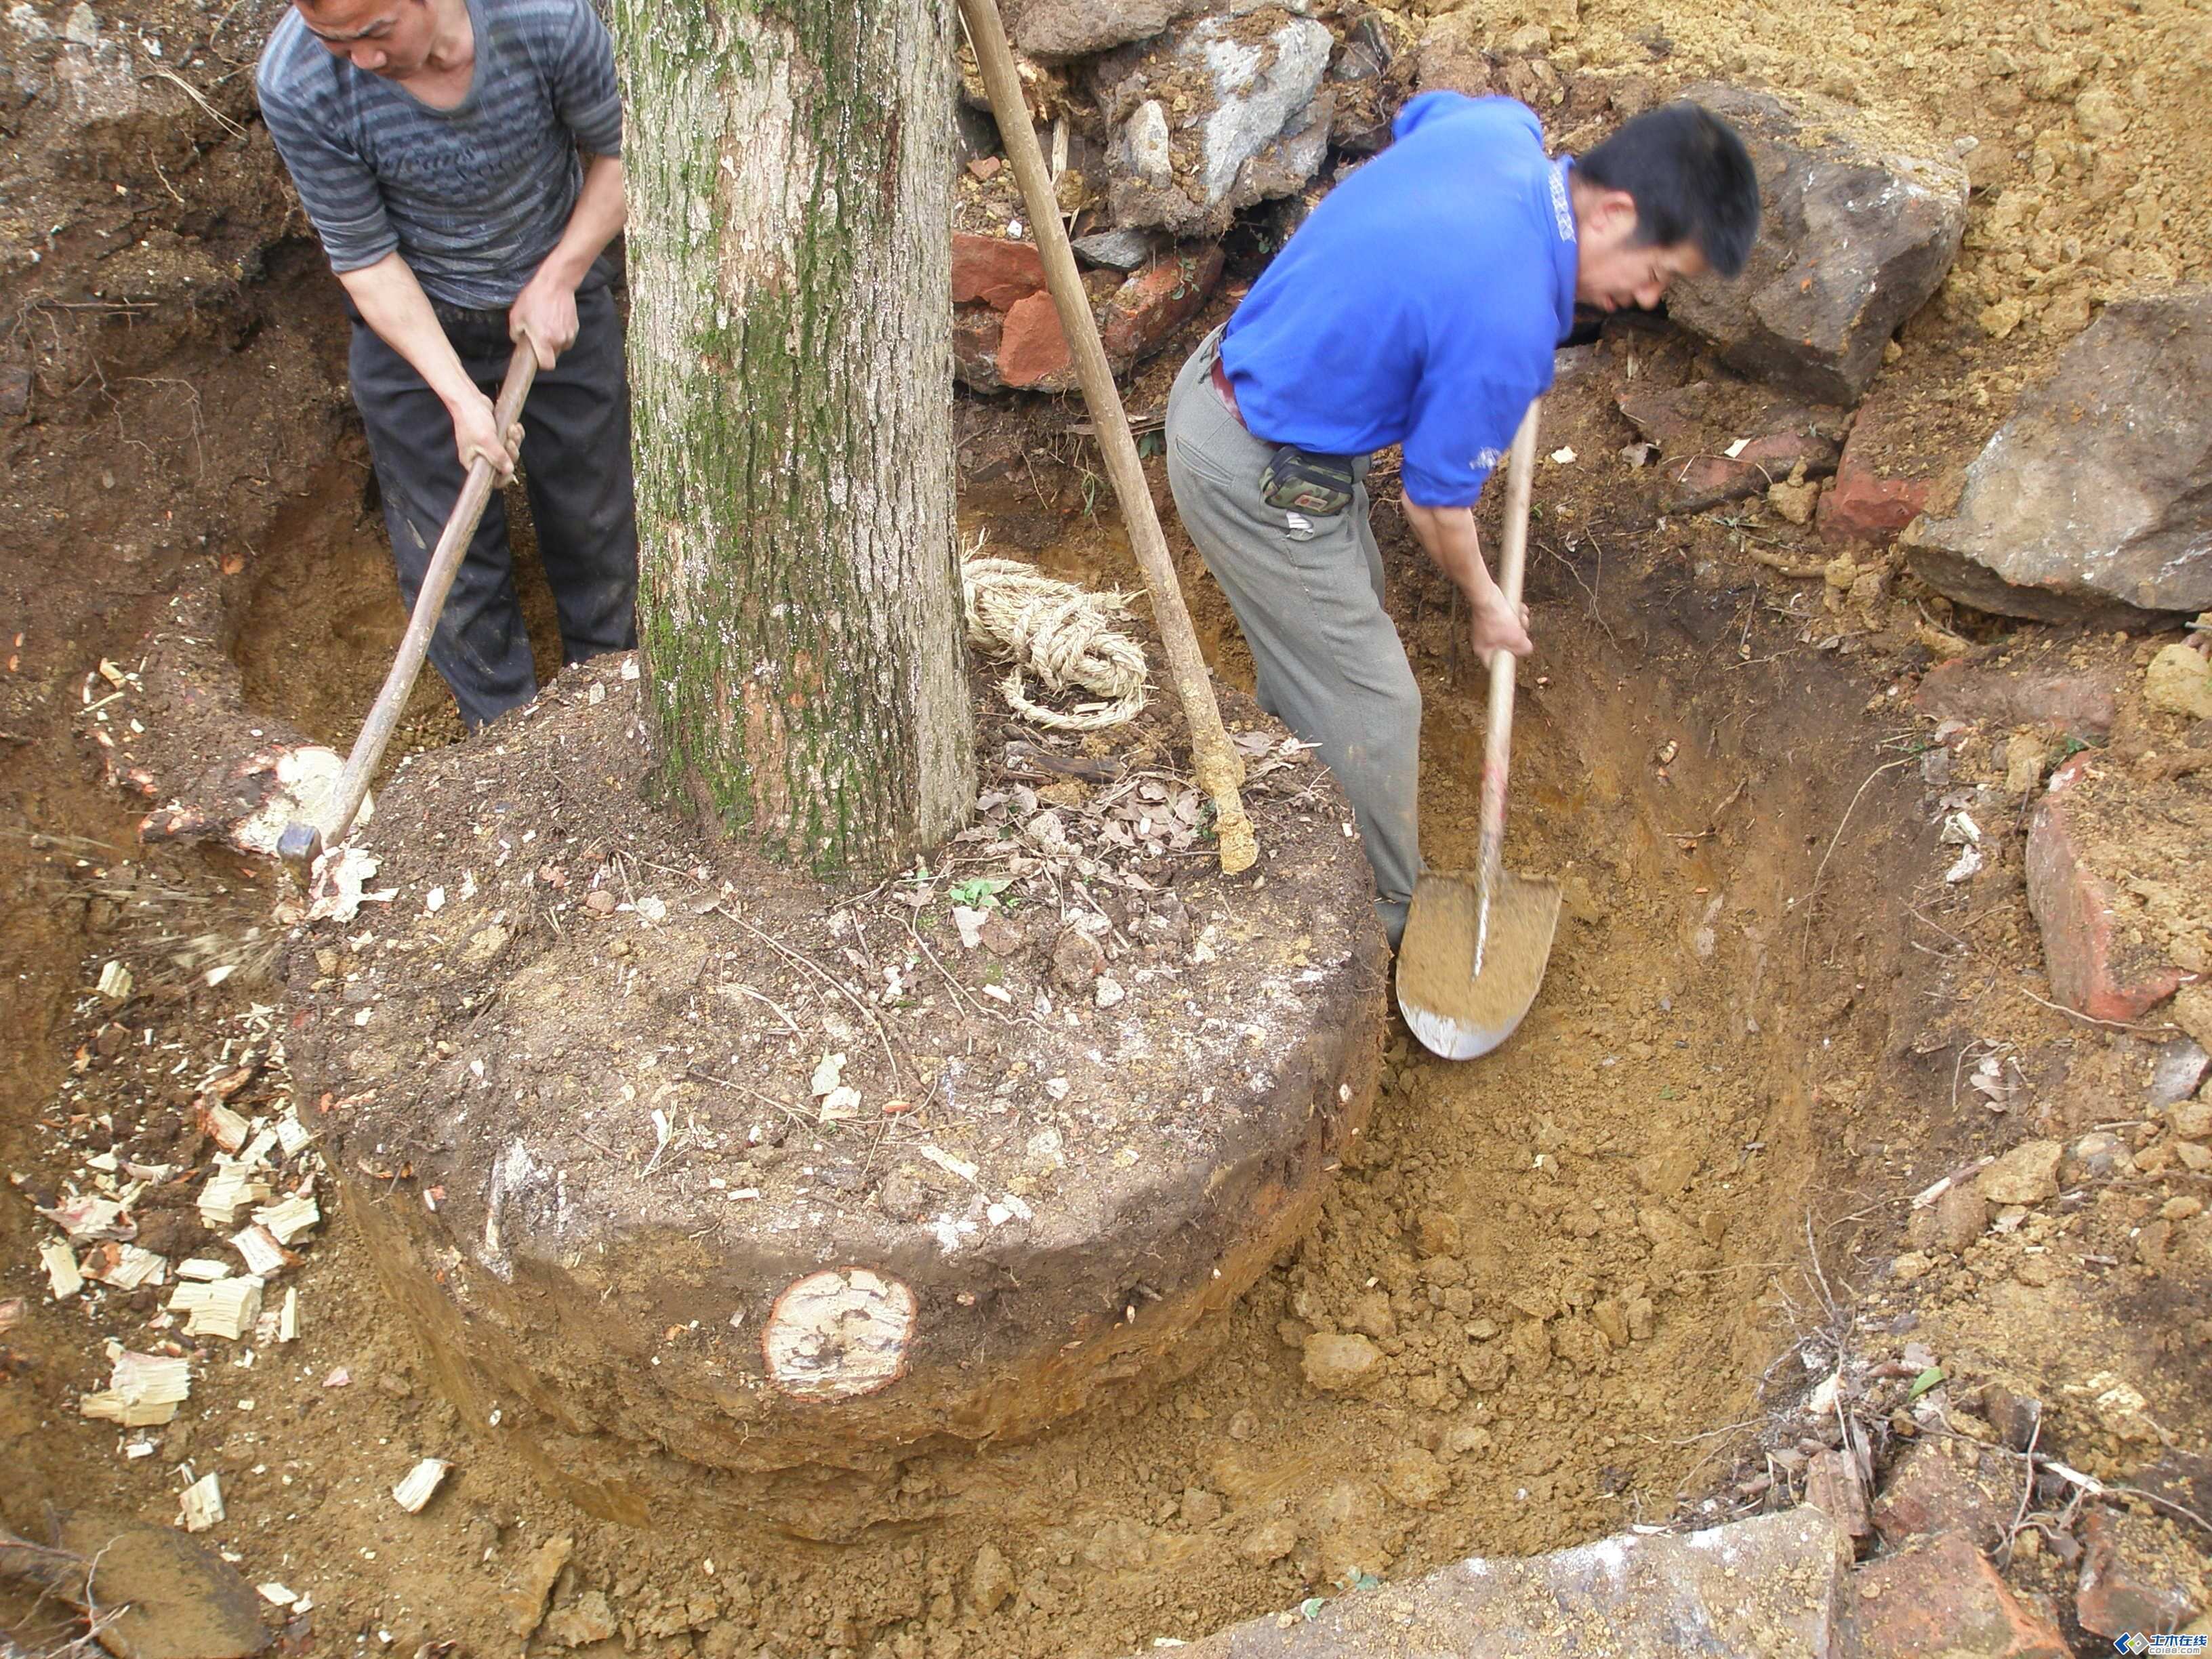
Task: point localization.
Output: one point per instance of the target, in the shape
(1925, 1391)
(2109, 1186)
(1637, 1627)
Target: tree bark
(789, 171)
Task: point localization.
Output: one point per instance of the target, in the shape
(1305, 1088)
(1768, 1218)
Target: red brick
(994, 271)
(2117, 1594)
(1931, 1490)
(2037, 695)
(2091, 972)
(1864, 503)
(1833, 1486)
(1156, 301)
(1031, 348)
(1941, 1597)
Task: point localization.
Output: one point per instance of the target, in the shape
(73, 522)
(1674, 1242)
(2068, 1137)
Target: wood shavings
(420, 1484)
(60, 1263)
(143, 1392)
(201, 1503)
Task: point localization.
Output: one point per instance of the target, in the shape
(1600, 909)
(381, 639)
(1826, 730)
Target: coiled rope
(1059, 633)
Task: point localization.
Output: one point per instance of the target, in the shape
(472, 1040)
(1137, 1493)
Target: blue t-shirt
(1420, 303)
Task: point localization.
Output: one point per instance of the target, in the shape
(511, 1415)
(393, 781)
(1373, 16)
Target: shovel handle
(1497, 738)
(422, 622)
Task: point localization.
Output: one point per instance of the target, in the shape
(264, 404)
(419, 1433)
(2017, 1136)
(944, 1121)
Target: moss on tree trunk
(789, 175)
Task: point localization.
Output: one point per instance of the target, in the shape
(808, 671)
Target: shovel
(1475, 946)
(303, 842)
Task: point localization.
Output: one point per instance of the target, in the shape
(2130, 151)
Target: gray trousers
(575, 468)
(1308, 593)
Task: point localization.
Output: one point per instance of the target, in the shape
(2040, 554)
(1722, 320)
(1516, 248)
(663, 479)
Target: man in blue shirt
(1419, 304)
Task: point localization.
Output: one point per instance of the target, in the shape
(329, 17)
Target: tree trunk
(789, 171)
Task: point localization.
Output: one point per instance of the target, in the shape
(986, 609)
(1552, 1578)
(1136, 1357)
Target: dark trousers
(576, 466)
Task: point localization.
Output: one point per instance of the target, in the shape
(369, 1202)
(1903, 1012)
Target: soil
(1599, 1271)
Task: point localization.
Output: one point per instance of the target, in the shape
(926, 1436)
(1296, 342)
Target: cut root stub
(838, 1335)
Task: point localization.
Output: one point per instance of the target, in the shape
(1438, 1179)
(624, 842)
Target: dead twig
(2102, 1024)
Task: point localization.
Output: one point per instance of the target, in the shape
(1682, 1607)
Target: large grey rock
(1763, 1589)
(1243, 114)
(1074, 29)
(2094, 502)
(1854, 239)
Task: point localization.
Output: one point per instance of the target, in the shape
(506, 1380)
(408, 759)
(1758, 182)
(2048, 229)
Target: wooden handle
(1213, 759)
(1512, 564)
(422, 622)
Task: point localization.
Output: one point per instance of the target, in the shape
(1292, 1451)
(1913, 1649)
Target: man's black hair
(1692, 179)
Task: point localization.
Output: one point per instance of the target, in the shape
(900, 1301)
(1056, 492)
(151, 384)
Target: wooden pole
(1215, 760)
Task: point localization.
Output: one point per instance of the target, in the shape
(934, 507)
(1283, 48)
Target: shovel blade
(1455, 1013)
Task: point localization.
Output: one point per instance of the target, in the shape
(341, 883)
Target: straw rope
(1061, 634)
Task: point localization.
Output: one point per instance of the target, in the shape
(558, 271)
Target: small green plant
(982, 893)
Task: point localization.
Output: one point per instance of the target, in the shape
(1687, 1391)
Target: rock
(1115, 250)
(2176, 1073)
(525, 1601)
(586, 1620)
(1833, 1486)
(1415, 1478)
(1370, 1316)
(1853, 241)
(1200, 1507)
(1261, 121)
(2091, 970)
(2079, 702)
(1156, 301)
(14, 391)
(2016, 1417)
(1941, 1597)
(1794, 501)
(1077, 960)
(1269, 1541)
(1031, 348)
(2179, 682)
(2121, 1589)
(1119, 1545)
(2098, 1156)
(1768, 1587)
(1437, 1232)
(1145, 142)
(2094, 501)
(177, 1597)
(2190, 1120)
(1019, 343)
(1334, 1362)
(1868, 502)
(1951, 1223)
(994, 271)
(902, 1197)
(1932, 1490)
(2028, 1174)
(1076, 28)
(990, 1580)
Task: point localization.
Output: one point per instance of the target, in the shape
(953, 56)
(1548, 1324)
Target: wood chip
(229, 1190)
(203, 1503)
(60, 1263)
(227, 1309)
(412, 1493)
(201, 1269)
(143, 1392)
(949, 1164)
(287, 1322)
(227, 1128)
(262, 1253)
(292, 1134)
(126, 1267)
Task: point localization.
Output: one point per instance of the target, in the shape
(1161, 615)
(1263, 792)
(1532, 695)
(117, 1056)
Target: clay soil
(1603, 1269)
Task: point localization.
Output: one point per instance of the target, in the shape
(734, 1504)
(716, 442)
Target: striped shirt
(473, 198)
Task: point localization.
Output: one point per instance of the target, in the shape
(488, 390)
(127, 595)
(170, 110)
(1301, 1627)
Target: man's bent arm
(546, 308)
(1448, 535)
(592, 223)
(392, 302)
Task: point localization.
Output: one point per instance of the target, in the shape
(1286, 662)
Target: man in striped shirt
(461, 161)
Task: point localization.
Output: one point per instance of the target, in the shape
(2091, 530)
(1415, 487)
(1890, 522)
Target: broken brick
(1942, 1596)
(2091, 971)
